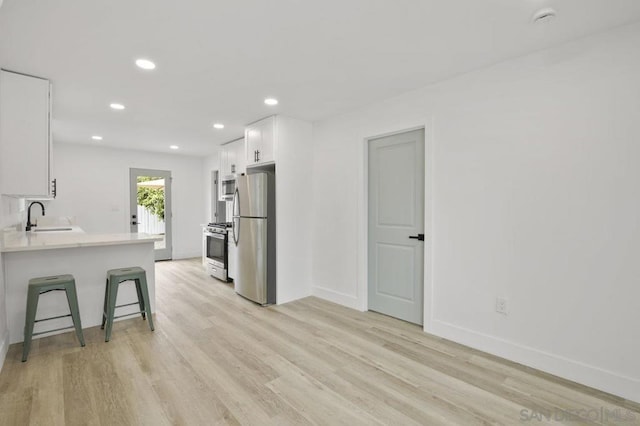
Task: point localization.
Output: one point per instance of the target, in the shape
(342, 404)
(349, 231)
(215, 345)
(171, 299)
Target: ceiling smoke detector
(544, 16)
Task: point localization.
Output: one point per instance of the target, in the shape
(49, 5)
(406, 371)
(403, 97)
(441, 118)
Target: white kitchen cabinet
(260, 141)
(232, 158)
(231, 162)
(25, 136)
(222, 171)
(230, 166)
(240, 156)
(224, 162)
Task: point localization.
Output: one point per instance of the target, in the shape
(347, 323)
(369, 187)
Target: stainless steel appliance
(228, 187)
(215, 256)
(254, 233)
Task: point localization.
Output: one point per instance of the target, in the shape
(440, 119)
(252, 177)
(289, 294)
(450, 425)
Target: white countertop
(14, 241)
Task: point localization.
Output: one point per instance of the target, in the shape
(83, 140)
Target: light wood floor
(216, 358)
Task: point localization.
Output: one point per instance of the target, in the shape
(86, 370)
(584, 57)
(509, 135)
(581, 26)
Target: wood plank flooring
(216, 358)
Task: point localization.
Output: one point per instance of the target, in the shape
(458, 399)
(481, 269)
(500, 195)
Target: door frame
(168, 211)
(363, 214)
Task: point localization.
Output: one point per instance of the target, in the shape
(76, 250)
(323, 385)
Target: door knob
(419, 237)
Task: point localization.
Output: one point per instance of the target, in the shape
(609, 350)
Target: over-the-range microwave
(228, 187)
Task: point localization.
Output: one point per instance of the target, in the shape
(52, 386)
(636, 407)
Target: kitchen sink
(51, 229)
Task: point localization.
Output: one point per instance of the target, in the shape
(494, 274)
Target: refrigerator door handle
(235, 229)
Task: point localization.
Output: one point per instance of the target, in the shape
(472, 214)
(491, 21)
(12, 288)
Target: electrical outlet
(501, 305)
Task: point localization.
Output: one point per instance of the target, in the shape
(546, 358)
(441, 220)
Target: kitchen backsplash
(13, 214)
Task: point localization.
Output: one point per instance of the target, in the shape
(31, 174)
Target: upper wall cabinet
(260, 140)
(232, 158)
(231, 163)
(25, 136)
(226, 162)
(239, 152)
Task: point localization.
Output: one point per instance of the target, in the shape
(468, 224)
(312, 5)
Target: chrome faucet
(29, 224)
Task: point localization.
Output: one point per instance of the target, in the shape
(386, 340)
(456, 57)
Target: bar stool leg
(140, 299)
(145, 295)
(72, 298)
(111, 307)
(32, 306)
(104, 308)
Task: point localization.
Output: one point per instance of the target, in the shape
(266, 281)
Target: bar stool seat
(114, 278)
(38, 286)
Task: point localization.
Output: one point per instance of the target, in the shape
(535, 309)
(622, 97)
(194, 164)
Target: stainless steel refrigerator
(254, 232)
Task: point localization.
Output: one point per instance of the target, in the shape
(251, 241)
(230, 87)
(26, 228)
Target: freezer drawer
(251, 280)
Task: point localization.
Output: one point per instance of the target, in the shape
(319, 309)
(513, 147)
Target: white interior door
(150, 207)
(396, 226)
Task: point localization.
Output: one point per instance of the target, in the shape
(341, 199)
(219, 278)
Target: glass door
(150, 207)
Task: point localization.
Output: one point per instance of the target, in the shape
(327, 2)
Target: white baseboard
(336, 297)
(588, 375)
(4, 348)
(290, 298)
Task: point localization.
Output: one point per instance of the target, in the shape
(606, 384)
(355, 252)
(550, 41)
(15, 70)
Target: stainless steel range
(215, 255)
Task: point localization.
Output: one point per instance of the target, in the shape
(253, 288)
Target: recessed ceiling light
(174, 146)
(219, 126)
(544, 15)
(271, 101)
(117, 106)
(145, 64)
(96, 138)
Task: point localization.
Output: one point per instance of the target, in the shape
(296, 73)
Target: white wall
(294, 208)
(93, 186)
(535, 197)
(4, 330)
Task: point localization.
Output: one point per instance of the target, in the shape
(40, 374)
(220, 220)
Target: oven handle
(214, 235)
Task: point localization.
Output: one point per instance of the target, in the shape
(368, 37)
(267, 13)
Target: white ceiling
(217, 60)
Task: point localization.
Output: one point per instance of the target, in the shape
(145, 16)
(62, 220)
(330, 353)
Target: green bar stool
(38, 286)
(114, 278)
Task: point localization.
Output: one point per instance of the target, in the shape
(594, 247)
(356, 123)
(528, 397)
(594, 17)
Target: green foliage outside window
(151, 198)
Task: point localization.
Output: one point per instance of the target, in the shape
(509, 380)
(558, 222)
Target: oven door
(215, 249)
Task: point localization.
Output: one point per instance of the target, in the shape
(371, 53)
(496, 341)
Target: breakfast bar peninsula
(69, 250)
